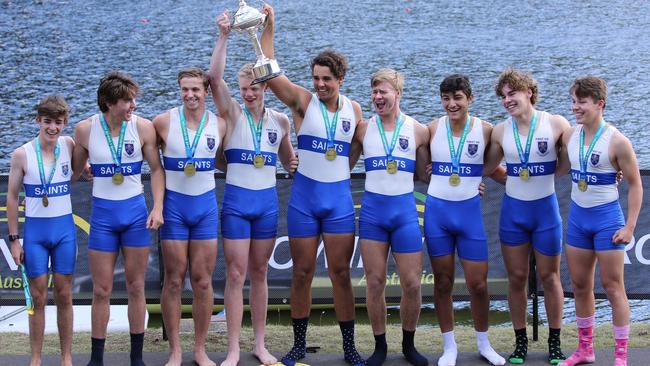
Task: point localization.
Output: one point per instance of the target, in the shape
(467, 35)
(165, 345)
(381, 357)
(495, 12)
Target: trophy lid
(247, 17)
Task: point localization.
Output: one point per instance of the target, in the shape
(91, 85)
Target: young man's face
(385, 98)
(586, 110)
(514, 101)
(455, 104)
(253, 95)
(51, 127)
(193, 93)
(325, 83)
(123, 108)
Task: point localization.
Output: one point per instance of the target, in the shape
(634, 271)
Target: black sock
(97, 353)
(408, 349)
(521, 347)
(137, 341)
(349, 350)
(555, 354)
(299, 342)
(381, 348)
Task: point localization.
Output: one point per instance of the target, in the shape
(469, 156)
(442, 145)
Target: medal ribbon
(190, 150)
(41, 169)
(116, 153)
(389, 148)
(256, 132)
(523, 156)
(330, 128)
(456, 153)
(584, 157)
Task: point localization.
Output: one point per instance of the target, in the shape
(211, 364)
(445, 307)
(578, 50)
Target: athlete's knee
(39, 299)
(62, 297)
(443, 283)
(550, 278)
(518, 278)
(259, 273)
(477, 287)
(613, 288)
(201, 284)
(375, 284)
(173, 284)
(102, 292)
(135, 288)
(339, 275)
(411, 288)
(302, 276)
(236, 275)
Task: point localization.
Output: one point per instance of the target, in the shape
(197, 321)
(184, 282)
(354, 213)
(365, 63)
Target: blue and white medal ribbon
(45, 183)
(391, 164)
(584, 158)
(330, 128)
(524, 173)
(454, 178)
(116, 153)
(190, 168)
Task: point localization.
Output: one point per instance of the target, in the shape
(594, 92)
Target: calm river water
(66, 46)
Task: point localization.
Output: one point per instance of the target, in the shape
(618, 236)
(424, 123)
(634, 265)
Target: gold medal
(330, 154)
(582, 185)
(524, 174)
(391, 167)
(46, 202)
(189, 170)
(454, 179)
(118, 178)
(258, 160)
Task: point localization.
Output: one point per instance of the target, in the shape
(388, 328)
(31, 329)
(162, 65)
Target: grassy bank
(328, 338)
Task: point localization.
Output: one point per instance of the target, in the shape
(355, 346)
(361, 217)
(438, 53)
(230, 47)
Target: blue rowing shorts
(249, 213)
(593, 228)
(116, 223)
(50, 238)
(190, 217)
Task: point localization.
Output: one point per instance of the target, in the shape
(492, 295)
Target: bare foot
(201, 358)
(264, 356)
(35, 362)
(175, 358)
(66, 361)
(232, 359)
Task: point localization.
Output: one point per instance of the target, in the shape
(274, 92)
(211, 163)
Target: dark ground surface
(636, 357)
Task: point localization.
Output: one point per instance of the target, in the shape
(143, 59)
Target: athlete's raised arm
(226, 105)
(292, 95)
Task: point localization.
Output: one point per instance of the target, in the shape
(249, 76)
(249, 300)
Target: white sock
(450, 350)
(486, 350)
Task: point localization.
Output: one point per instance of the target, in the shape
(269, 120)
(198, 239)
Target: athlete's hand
(293, 165)
(223, 22)
(481, 189)
(623, 235)
(17, 252)
(619, 177)
(87, 173)
(270, 14)
(155, 219)
(429, 169)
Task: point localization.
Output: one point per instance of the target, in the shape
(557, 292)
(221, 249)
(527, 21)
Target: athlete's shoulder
(567, 133)
(558, 121)
(282, 119)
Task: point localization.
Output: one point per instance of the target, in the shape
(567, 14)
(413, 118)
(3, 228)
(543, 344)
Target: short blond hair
(391, 76)
(246, 71)
(519, 81)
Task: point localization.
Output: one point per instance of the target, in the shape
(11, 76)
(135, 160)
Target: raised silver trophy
(248, 20)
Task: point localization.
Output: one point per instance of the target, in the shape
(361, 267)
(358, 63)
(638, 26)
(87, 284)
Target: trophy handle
(242, 3)
(252, 35)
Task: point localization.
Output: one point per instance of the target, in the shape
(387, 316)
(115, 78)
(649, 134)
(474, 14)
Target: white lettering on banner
(638, 250)
(321, 250)
(7, 254)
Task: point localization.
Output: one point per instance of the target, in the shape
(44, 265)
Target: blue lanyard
(584, 157)
(256, 132)
(190, 150)
(330, 128)
(523, 156)
(456, 153)
(116, 153)
(389, 148)
(41, 170)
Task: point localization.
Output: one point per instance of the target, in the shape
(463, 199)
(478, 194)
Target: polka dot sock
(381, 348)
(349, 350)
(555, 355)
(521, 347)
(299, 342)
(408, 349)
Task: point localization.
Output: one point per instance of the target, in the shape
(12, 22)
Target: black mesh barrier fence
(637, 254)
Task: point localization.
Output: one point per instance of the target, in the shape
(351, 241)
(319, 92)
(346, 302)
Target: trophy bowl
(248, 20)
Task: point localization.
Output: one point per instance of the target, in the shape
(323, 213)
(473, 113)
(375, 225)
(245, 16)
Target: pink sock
(585, 351)
(621, 335)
